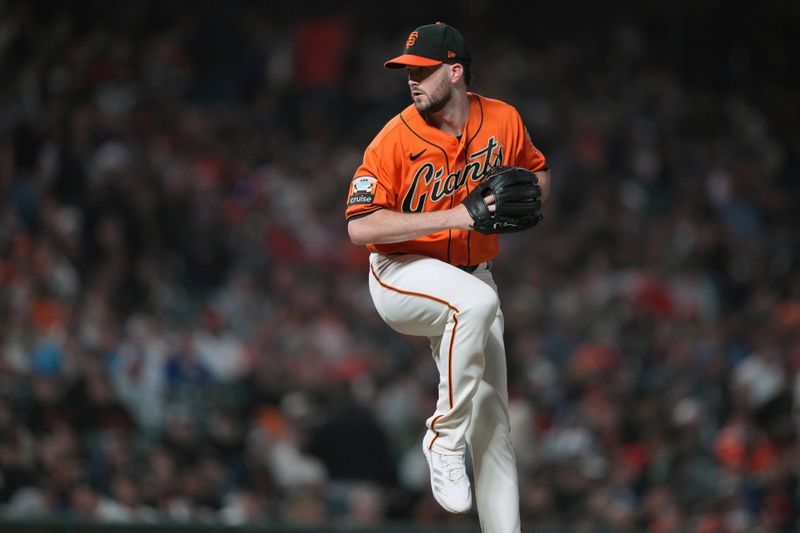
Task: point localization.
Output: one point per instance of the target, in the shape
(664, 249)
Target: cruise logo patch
(362, 190)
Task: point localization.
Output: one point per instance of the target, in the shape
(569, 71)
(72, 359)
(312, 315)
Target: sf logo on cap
(412, 39)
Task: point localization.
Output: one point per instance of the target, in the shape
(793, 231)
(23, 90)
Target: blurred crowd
(186, 331)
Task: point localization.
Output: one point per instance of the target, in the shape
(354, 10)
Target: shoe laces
(453, 466)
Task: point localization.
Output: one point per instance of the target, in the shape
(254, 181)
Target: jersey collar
(415, 121)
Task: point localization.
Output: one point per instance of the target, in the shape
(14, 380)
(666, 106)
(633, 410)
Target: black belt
(469, 269)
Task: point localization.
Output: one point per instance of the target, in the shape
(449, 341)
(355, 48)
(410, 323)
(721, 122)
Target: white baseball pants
(460, 313)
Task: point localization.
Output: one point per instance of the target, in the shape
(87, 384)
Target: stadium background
(186, 333)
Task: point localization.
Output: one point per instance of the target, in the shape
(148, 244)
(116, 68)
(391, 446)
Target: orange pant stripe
(452, 336)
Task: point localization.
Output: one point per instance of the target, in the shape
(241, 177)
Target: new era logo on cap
(432, 45)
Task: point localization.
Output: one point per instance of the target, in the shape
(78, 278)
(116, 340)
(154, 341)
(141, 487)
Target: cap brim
(407, 60)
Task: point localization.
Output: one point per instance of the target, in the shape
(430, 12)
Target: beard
(435, 101)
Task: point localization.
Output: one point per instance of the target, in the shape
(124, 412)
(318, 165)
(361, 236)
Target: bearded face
(430, 88)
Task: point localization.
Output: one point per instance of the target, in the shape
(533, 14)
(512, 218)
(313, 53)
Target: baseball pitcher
(436, 186)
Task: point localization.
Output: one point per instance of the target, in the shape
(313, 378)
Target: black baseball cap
(431, 45)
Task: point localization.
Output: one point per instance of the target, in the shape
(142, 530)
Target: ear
(456, 72)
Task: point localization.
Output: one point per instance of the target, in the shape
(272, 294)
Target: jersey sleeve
(372, 188)
(526, 153)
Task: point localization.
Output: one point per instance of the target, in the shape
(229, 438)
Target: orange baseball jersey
(413, 167)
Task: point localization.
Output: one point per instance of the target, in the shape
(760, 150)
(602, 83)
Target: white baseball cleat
(449, 481)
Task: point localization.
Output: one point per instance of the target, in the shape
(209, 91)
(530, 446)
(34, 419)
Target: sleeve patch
(362, 190)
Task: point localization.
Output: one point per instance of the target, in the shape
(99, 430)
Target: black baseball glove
(516, 198)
